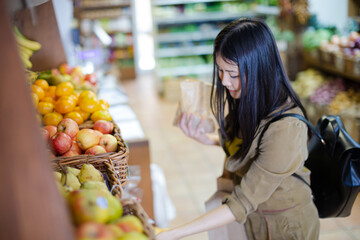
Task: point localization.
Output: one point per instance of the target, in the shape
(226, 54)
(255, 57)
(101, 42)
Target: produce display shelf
(187, 36)
(100, 5)
(185, 51)
(178, 2)
(205, 69)
(93, 15)
(329, 68)
(203, 17)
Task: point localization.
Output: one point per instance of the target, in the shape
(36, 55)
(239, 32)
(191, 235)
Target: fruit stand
(57, 172)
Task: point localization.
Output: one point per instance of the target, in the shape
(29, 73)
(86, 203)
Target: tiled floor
(191, 168)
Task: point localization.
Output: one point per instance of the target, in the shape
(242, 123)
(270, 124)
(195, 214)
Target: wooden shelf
(329, 68)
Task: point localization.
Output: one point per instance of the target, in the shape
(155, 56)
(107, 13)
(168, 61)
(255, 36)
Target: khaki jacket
(265, 183)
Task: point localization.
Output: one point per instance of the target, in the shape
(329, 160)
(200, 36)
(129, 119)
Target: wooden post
(31, 206)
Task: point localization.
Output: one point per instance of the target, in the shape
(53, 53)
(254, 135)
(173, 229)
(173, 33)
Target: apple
(100, 134)
(60, 143)
(87, 138)
(97, 149)
(91, 78)
(88, 205)
(104, 126)
(68, 126)
(45, 134)
(130, 223)
(51, 129)
(76, 148)
(94, 231)
(109, 142)
(116, 231)
(65, 69)
(70, 153)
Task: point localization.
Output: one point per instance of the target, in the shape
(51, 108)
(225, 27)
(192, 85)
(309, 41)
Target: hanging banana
(26, 47)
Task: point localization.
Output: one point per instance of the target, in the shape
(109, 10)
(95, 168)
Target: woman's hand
(166, 235)
(186, 124)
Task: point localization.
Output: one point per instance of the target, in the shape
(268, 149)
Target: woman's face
(229, 75)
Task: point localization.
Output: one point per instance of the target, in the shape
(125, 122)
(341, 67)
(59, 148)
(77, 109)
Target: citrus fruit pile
(54, 103)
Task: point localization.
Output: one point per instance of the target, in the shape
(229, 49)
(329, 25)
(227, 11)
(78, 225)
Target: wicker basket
(113, 165)
(132, 207)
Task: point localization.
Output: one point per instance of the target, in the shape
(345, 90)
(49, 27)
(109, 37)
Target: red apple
(94, 231)
(109, 142)
(95, 150)
(45, 134)
(87, 138)
(100, 134)
(60, 143)
(70, 153)
(76, 148)
(91, 78)
(104, 126)
(65, 69)
(68, 126)
(51, 129)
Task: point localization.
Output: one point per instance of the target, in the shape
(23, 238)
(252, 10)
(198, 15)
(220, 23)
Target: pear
(115, 207)
(94, 185)
(89, 173)
(64, 189)
(71, 180)
(74, 171)
(57, 176)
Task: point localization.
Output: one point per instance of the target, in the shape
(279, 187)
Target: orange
(83, 114)
(87, 94)
(101, 115)
(45, 107)
(52, 118)
(64, 88)
(89, 105)
(35, 98)
(104, 102)
(42, 83)
(76, 116)
(38, 90)
(64, 106)
(67, 98)
(48, 99)
(51, 92)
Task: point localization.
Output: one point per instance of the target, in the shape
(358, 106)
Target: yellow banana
(25, 51)
(26, 43)
(25, 60)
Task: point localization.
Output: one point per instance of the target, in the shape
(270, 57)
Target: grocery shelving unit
(185, 30)
(116, 18)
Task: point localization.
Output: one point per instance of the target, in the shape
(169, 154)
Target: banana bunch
(26, 47)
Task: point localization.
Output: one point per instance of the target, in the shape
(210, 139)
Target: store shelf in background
(187, 36)
(184, 51)
(103, 3)
(202, 17)
(174, 2)
(204, 69)
(339, 68)
(102, 13)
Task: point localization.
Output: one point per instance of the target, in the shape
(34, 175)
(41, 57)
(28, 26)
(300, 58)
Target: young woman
(250, 87)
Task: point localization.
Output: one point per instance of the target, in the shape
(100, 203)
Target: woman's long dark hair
(265, 85)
